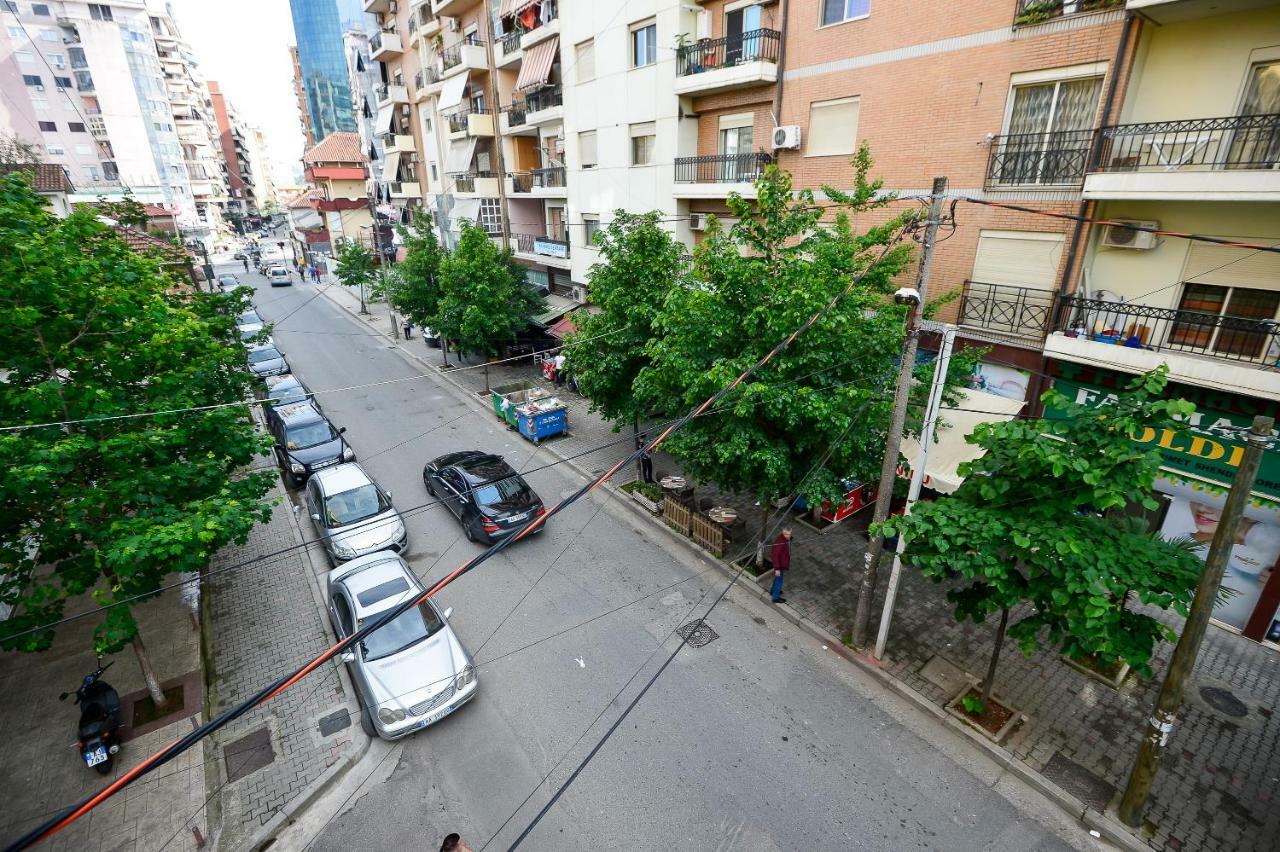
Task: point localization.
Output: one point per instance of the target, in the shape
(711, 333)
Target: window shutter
(833, 127)
(1228, 266)
(1018, 259)
(585, 58)
(587, 147)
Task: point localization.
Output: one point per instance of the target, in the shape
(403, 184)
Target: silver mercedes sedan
(352, 515)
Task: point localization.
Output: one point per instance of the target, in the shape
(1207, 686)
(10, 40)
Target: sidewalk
(1217, 785)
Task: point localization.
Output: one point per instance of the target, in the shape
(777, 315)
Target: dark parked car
(305, 442)
(265, 360)
(286, 390)
(486, 495)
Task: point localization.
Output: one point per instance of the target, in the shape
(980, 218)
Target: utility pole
(1161, 723)
(917, 477)
(889, 470)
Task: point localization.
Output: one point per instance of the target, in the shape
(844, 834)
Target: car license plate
(437, 716)
(98, 755)
(319, 465)
(517, 518)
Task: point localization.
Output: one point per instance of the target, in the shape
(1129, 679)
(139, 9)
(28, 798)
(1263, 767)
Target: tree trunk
(995, 657)
(486, 374)
(635, 431)
(148, 673)
(444, 349)
(766, 510)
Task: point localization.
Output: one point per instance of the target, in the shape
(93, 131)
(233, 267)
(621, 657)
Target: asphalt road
(759, 740)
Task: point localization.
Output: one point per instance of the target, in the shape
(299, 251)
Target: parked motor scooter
(99, 720)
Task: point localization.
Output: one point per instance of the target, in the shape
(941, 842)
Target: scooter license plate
(98, 755)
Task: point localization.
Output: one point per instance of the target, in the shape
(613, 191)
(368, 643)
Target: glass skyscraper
(318, 26)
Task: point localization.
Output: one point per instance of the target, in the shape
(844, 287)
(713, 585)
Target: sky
(244, 45)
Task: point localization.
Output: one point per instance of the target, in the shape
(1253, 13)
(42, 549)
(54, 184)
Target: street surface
(762, 739)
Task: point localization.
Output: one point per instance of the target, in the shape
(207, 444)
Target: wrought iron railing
(721, 168)
(1038, 11)
(544, 98)
(1039, 159)
(466, 181)
(552, 177)
(1171, 330)
(712, 53)
(458, 118)
(1196, 144)
(384, 34)
(516, 115)
(521, 182)
(451, 56)
(425, 77)
(1020, 311)
(510, 42)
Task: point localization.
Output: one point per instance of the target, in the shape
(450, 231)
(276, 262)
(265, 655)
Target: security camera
(907, 296)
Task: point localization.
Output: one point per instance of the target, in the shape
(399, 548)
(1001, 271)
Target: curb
(1111, 830)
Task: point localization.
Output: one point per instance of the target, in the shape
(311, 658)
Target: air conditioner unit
(404, 109)
(1127, 236)
(38, 87)
(579, 293)
(449, 23)
(787, 136)
(697, 222)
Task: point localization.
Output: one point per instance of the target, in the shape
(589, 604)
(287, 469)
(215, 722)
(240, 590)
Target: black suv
(484, 493)
(305, 442)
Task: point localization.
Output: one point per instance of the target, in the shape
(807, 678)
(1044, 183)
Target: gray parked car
(265, 360)
(411, 672)
(352, 515)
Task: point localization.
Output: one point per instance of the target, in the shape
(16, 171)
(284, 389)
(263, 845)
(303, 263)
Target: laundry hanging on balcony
(535, 69)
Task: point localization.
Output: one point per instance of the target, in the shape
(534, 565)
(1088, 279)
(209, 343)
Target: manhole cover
(697, 633)
(1224, 702)
(248, 754)
(1078, 781)
(334, 722)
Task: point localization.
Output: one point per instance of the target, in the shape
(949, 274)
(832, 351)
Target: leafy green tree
(1041, 519)
(484, 300)
(128, 211)
(753, 285)
(101, 506)
(413, 287)
(641, 263)
(355, 268)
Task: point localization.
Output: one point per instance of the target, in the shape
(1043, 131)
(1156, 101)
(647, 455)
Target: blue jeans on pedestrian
(775, 591)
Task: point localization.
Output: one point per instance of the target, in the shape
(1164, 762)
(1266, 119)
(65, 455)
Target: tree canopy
(355, 265)
(413, 287)
(484, 300)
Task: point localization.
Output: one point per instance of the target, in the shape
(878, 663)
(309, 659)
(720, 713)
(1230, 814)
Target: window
(56, 150)
(590, 227)
(434, 174)
(78, 59)
(18, 34)
(587, 149)
(39, 104)
(76, 127)
(57, 60)
(49, 126)
(1027, 259)
(9, 6)
(643, 142)
(740, 22)
(491, 216)
(1258, 149)
(63, 82)
(50, 36)
(94, 173)
(110, 171)
(839, 11)
(32, 79)
(584, 57)
(1046, 137)
(41, 9)
(100, 12)
(26, 57)
(644, 44)
(833, 128)
(1236, 338)
(84, 81)
(426, 121)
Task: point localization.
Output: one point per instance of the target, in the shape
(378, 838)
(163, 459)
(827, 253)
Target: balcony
(385, 45)
(1022, 312)
(391, 94)
(552, 250)
(376, 7)
(544, 29)
(718, 175)
(452, 7)
(468, 122)
(515, 121)
(405, 189)
(402, 142)
(475, 184)
(544, 106)
(1039, 160)
(467, 55)
(97, 126)
(425, 83)
(519, 183)
(549, 182)
(1172, 11)
(732, 62)
(1236, 158)
(1032, 12)
(507, 50)
(428, 23)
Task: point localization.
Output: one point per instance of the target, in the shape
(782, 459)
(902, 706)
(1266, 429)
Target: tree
(413, 287)
(128, 211)
(752, 286)
(355, 267)
(1041, 519)
(111, 507)
(484, 300)
(641, 264)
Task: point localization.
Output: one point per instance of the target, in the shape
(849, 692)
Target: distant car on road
(352, 515)
(305, 442)
(279, 277)
(227, 282)
(411, 672)
(484, 493)
(266, 360)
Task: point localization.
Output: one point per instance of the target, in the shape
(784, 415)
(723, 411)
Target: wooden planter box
(649, 506)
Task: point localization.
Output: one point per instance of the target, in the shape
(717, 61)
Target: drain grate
(1224, 701)
(248, 754)
(697, 633)
(1078, 781)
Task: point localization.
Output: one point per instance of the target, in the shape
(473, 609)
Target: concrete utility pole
(889, 470)
(1160, 725)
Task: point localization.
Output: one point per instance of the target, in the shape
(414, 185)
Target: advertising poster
(1008, 382)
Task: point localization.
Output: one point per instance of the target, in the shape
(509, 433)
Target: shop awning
(464, 208)
(555, 307)
(535, 68)
(451, 93)
(950, 450)
(458, 160)
(391, 167)
(565, 325)
(383, 123)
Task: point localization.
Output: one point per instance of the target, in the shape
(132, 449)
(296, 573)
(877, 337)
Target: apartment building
(320, 72)
(396, 48)
(300, 98)
(365, 77)
(337, 170)
(233, 138)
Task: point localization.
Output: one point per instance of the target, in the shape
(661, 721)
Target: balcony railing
(1038, 11)
(1171, 330)
(510, 42)
(388, 33)
(425, 77)
(516, 115)
(554, 244)
(544, 98)
(1039, 159)
(710, 54)
(721, 168)
(1020, 311)
(521, 182)
(452, 56)
(1198, 144)
(466, 182)
(549, 178)
(458, 118)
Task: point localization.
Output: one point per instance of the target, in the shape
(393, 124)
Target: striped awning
(535, 68)
(504, 8)
(517, 6)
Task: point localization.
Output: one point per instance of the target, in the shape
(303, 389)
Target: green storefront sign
(1208, 450)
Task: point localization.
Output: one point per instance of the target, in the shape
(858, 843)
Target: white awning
(458, 160)
(950, 449)
(391, 166)
(451, 94)
(464, 208)
(383, 124)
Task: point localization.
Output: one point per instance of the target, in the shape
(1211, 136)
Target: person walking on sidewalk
(407, 327)
(646, 460)
(780, 556)
(559, 364)
(245, 261)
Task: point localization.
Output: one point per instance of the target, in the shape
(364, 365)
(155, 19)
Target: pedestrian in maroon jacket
(780, 556)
